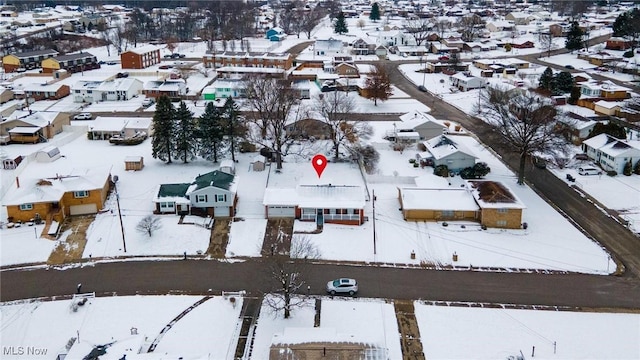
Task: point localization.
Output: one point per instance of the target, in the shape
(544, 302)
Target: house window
(80, 194)
(447, 213)
(326, 211)
(503, 210)
(501, 223)
(166, 205)
(220, 198)
(201, 198)
(26, 207)
(356, 211)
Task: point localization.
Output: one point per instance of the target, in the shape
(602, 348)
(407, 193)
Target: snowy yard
(129, 325)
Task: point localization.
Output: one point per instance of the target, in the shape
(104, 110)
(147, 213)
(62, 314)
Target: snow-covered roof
(494, 194)
(318, 196)
(144, 49)
(442, 146)
(108, 124)
(48, 189)
(609, 104)
(415, 118)
(437, 199)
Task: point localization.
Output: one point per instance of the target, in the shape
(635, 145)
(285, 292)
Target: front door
(319, 217)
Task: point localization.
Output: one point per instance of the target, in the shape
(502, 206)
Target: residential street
(203, 277)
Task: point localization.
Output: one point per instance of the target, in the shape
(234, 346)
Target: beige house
(490, 203)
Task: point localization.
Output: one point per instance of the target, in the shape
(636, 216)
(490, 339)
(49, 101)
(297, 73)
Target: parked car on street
(342, 286)
(82, 116)
(539, 162)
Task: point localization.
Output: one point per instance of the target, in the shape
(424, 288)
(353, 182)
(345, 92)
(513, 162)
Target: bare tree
(361, 23)
(271, 102)
(378, 84)
(419, 28)
(286, 273)
(546, 42)
(441, 26)
(335, 109)
(311, 19)
(525, 121)
(149, 224)
(471, 26)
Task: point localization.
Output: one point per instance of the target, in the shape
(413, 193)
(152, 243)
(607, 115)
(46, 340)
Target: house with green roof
(211, 194)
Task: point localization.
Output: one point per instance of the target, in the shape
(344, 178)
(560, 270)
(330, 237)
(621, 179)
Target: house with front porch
(610, 153)
(171, 88)
(328, 203)
(25, 127)
(212, 194)
(78, 192)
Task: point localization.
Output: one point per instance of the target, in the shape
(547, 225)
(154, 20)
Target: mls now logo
(23, 351)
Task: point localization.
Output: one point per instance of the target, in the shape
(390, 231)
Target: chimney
(17, 182)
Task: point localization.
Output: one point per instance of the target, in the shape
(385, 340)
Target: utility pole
(373, 194)
(115, 184)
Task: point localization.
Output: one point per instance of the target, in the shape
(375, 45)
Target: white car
(342, 286)
(82, 116)
(147, 102)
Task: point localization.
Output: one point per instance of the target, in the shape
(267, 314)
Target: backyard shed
(133, 163)
(48, 154)
(258, 163)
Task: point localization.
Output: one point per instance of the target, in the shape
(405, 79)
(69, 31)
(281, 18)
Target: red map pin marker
(319, 162)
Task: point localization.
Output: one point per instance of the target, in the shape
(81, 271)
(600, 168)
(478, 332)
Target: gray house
(211, 194)
(445, 150)
(422, 123)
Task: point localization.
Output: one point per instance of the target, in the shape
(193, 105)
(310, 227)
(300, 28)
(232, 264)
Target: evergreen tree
(211, 133)
(232, 127)
(636, 169)
(546, 79)
(163, 144)
(621, 25)
(375, 12)
(574, 37)
(628, 167)
(562, 83)
(185, 133)
(340, 26)
(575, 95)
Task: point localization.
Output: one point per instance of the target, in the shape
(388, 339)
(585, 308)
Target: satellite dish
(115, 178)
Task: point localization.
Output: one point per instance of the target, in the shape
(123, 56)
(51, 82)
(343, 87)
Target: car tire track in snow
(168, 327)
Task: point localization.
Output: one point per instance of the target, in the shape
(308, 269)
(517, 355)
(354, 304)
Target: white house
(212, 194)
(425, 125)
(610, 153)
(113, 90)
(328, 47)
(395, 38)
(465, 81)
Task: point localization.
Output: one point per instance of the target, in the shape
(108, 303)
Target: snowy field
(129, 325)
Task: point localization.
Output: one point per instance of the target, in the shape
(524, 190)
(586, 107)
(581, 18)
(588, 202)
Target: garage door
(221, 211)
(83, 209)
(282, 211)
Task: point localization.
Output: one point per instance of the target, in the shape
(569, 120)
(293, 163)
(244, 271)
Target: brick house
(59, 196)
(39, 92)
(248, 59)
(490, 203)
(336, 204)
(141, 57)
(618, 43)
